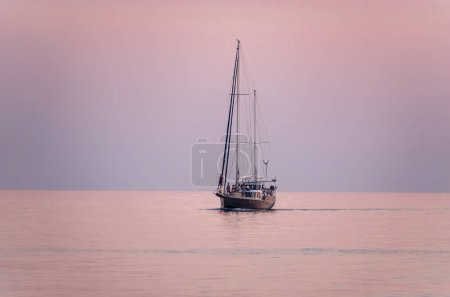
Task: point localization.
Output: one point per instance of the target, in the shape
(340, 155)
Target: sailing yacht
(249, 191)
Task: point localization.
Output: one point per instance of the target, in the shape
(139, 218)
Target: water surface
(182, 244)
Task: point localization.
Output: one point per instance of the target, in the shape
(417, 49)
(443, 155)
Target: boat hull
(236, 201)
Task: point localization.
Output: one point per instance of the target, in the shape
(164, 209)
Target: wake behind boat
(250, 191)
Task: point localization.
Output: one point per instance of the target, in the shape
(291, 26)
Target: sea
(107, 244)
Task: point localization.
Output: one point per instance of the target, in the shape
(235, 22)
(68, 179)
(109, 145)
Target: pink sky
(108, 95)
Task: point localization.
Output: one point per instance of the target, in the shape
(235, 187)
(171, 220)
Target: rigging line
(230, 118)
(227, 152)
(250, 88)
(234, 69)
(246, 109)
(228, 131)
(265, 134)
(233, 156)
(249, 81)
(262, 130)
(246, 127)
(237, 90)
(262, 148)
(248, 117)
(259, 108)
(229, 139)
(249, 126)
(248, 77)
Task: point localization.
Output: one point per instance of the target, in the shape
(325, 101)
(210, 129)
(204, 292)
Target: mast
(255, 173)
(226, 153)
(237, 112)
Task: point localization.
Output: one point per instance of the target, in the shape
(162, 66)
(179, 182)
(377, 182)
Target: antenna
(266, 164)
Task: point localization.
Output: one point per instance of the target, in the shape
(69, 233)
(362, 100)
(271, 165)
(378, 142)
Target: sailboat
(248, 191)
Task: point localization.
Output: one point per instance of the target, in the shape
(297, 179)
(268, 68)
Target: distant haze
(112, 94)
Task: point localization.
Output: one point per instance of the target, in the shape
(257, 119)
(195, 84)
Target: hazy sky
(112, 94)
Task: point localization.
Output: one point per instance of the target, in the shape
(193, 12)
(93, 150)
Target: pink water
(180, 244)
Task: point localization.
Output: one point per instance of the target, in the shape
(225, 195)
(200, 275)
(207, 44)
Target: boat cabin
(251, 188)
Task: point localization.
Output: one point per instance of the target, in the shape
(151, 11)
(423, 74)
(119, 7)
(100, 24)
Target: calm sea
(180, 244)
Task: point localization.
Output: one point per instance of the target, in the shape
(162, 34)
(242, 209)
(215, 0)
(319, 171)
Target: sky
(114, 95)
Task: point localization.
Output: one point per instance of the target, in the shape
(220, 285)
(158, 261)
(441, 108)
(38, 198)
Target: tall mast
(226, 153)
(237, 114)
(255, 173)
